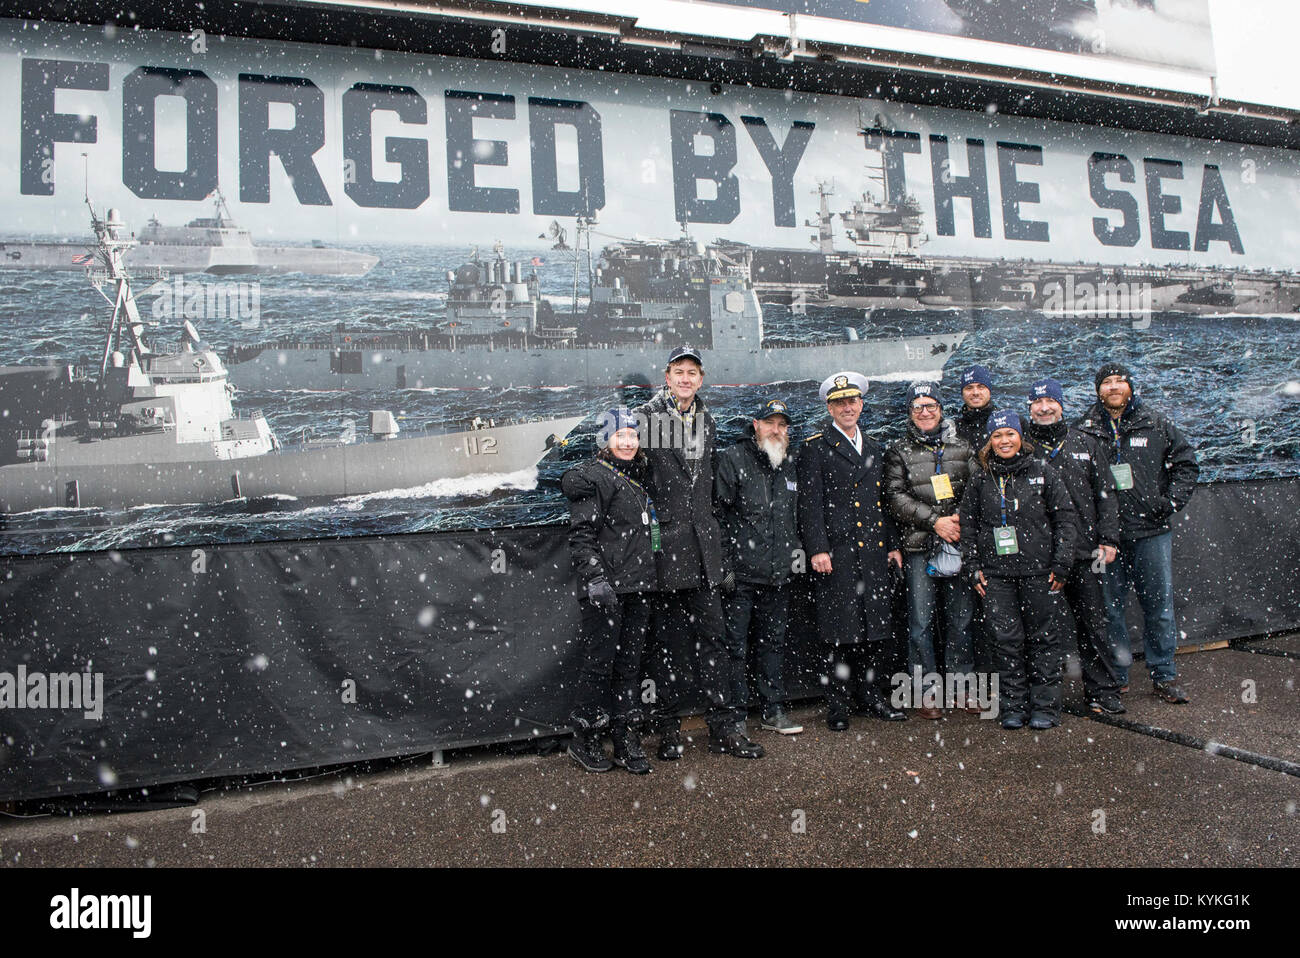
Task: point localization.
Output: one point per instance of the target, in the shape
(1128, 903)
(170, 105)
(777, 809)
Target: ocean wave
(476, 485)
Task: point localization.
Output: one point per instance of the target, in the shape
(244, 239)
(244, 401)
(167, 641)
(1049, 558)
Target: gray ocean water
(1232, 383)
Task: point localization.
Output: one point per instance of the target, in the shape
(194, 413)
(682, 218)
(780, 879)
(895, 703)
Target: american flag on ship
(538, 261)
(83, 259)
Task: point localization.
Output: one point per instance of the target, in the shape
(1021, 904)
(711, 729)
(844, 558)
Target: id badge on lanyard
(649, 518)
(1004, 540)
(1004, 536)
(1122, 471)
(942, 484)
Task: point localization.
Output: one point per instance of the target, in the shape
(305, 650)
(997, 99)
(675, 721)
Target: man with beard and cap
(754, 492)
(926, 473)
(977, 406)
(1155, 472)
(1081, 462)
(689, 627)
(850, 540)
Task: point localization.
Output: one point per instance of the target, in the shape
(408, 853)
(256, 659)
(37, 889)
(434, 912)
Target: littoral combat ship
(209, 244)
(645, 298)
(158, 428)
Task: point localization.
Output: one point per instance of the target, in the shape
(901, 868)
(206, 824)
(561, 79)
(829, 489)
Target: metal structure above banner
(779, 59)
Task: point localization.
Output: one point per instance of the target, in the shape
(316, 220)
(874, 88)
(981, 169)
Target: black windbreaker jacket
(1163, 461)
(682, 488)
(1082, 466)
(607, 534)
(1037, 506)
(756, 510)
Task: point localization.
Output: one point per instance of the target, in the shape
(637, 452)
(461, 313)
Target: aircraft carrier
(884, 267)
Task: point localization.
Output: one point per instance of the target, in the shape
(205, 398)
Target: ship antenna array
(110, 247)
(222, 207)
(582, 242)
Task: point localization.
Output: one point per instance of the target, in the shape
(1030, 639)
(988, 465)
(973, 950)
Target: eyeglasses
(925, 406)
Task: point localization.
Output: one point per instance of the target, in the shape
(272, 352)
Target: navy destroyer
(644, 298)
(155, 427)
(209, 244)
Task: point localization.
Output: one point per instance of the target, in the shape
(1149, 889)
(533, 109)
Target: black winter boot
(670, 739)
(628, 753)
(586, 749)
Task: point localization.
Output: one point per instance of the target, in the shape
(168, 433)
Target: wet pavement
(959, 791)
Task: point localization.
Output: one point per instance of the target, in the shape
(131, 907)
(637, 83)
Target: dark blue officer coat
(840, 513)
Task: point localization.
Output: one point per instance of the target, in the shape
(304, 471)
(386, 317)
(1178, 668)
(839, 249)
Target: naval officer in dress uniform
(850, 540)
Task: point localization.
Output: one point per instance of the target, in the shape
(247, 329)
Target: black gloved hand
(600, 592)
(728, 584)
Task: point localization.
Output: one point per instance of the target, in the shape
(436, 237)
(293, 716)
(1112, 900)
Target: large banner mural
(262, 291)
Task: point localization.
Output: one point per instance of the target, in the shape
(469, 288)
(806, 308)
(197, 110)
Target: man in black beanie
(1081, 461)
(1154, 468)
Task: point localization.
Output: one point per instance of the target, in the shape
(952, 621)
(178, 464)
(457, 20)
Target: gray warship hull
(131, 471)
(412, 366)
(216, 260)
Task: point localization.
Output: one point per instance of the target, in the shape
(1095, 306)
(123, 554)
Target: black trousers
(608, 684)
(1024, 615)
(855, 675)
(688, 654)
(1088, 608)
(758, 612)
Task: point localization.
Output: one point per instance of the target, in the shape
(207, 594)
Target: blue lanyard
(1002, 491)
(1114, 429)
(938, 460)
(1053, 453)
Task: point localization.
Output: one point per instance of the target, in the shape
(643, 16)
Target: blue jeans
(924, 594)
(1147, 566)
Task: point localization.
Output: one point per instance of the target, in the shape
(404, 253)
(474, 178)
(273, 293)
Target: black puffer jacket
(756, 510)
(607, 534)
(1038, 508)
(1163, 461)
(682, 488)
(909, 494)
(1082, 466)
(972, 425)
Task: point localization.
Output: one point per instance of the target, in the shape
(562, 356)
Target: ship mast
(825, 238)
(110, 235)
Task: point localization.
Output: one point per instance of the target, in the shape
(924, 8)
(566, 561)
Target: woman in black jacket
(1017, 539)
(613, 537)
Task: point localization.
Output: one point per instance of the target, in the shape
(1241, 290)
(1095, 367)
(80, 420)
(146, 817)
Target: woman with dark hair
(613, 538)
(1017, 541)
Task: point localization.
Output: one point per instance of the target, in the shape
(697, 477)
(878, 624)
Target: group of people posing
(1010, 534)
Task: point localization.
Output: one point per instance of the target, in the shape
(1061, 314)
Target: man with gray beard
(754, 492)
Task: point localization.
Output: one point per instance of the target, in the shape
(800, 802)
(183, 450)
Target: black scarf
(1049, 436)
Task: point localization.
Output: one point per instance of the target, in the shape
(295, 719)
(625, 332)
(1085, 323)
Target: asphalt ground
(956, 792)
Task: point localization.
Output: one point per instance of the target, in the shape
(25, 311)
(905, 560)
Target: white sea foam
(476, 485)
